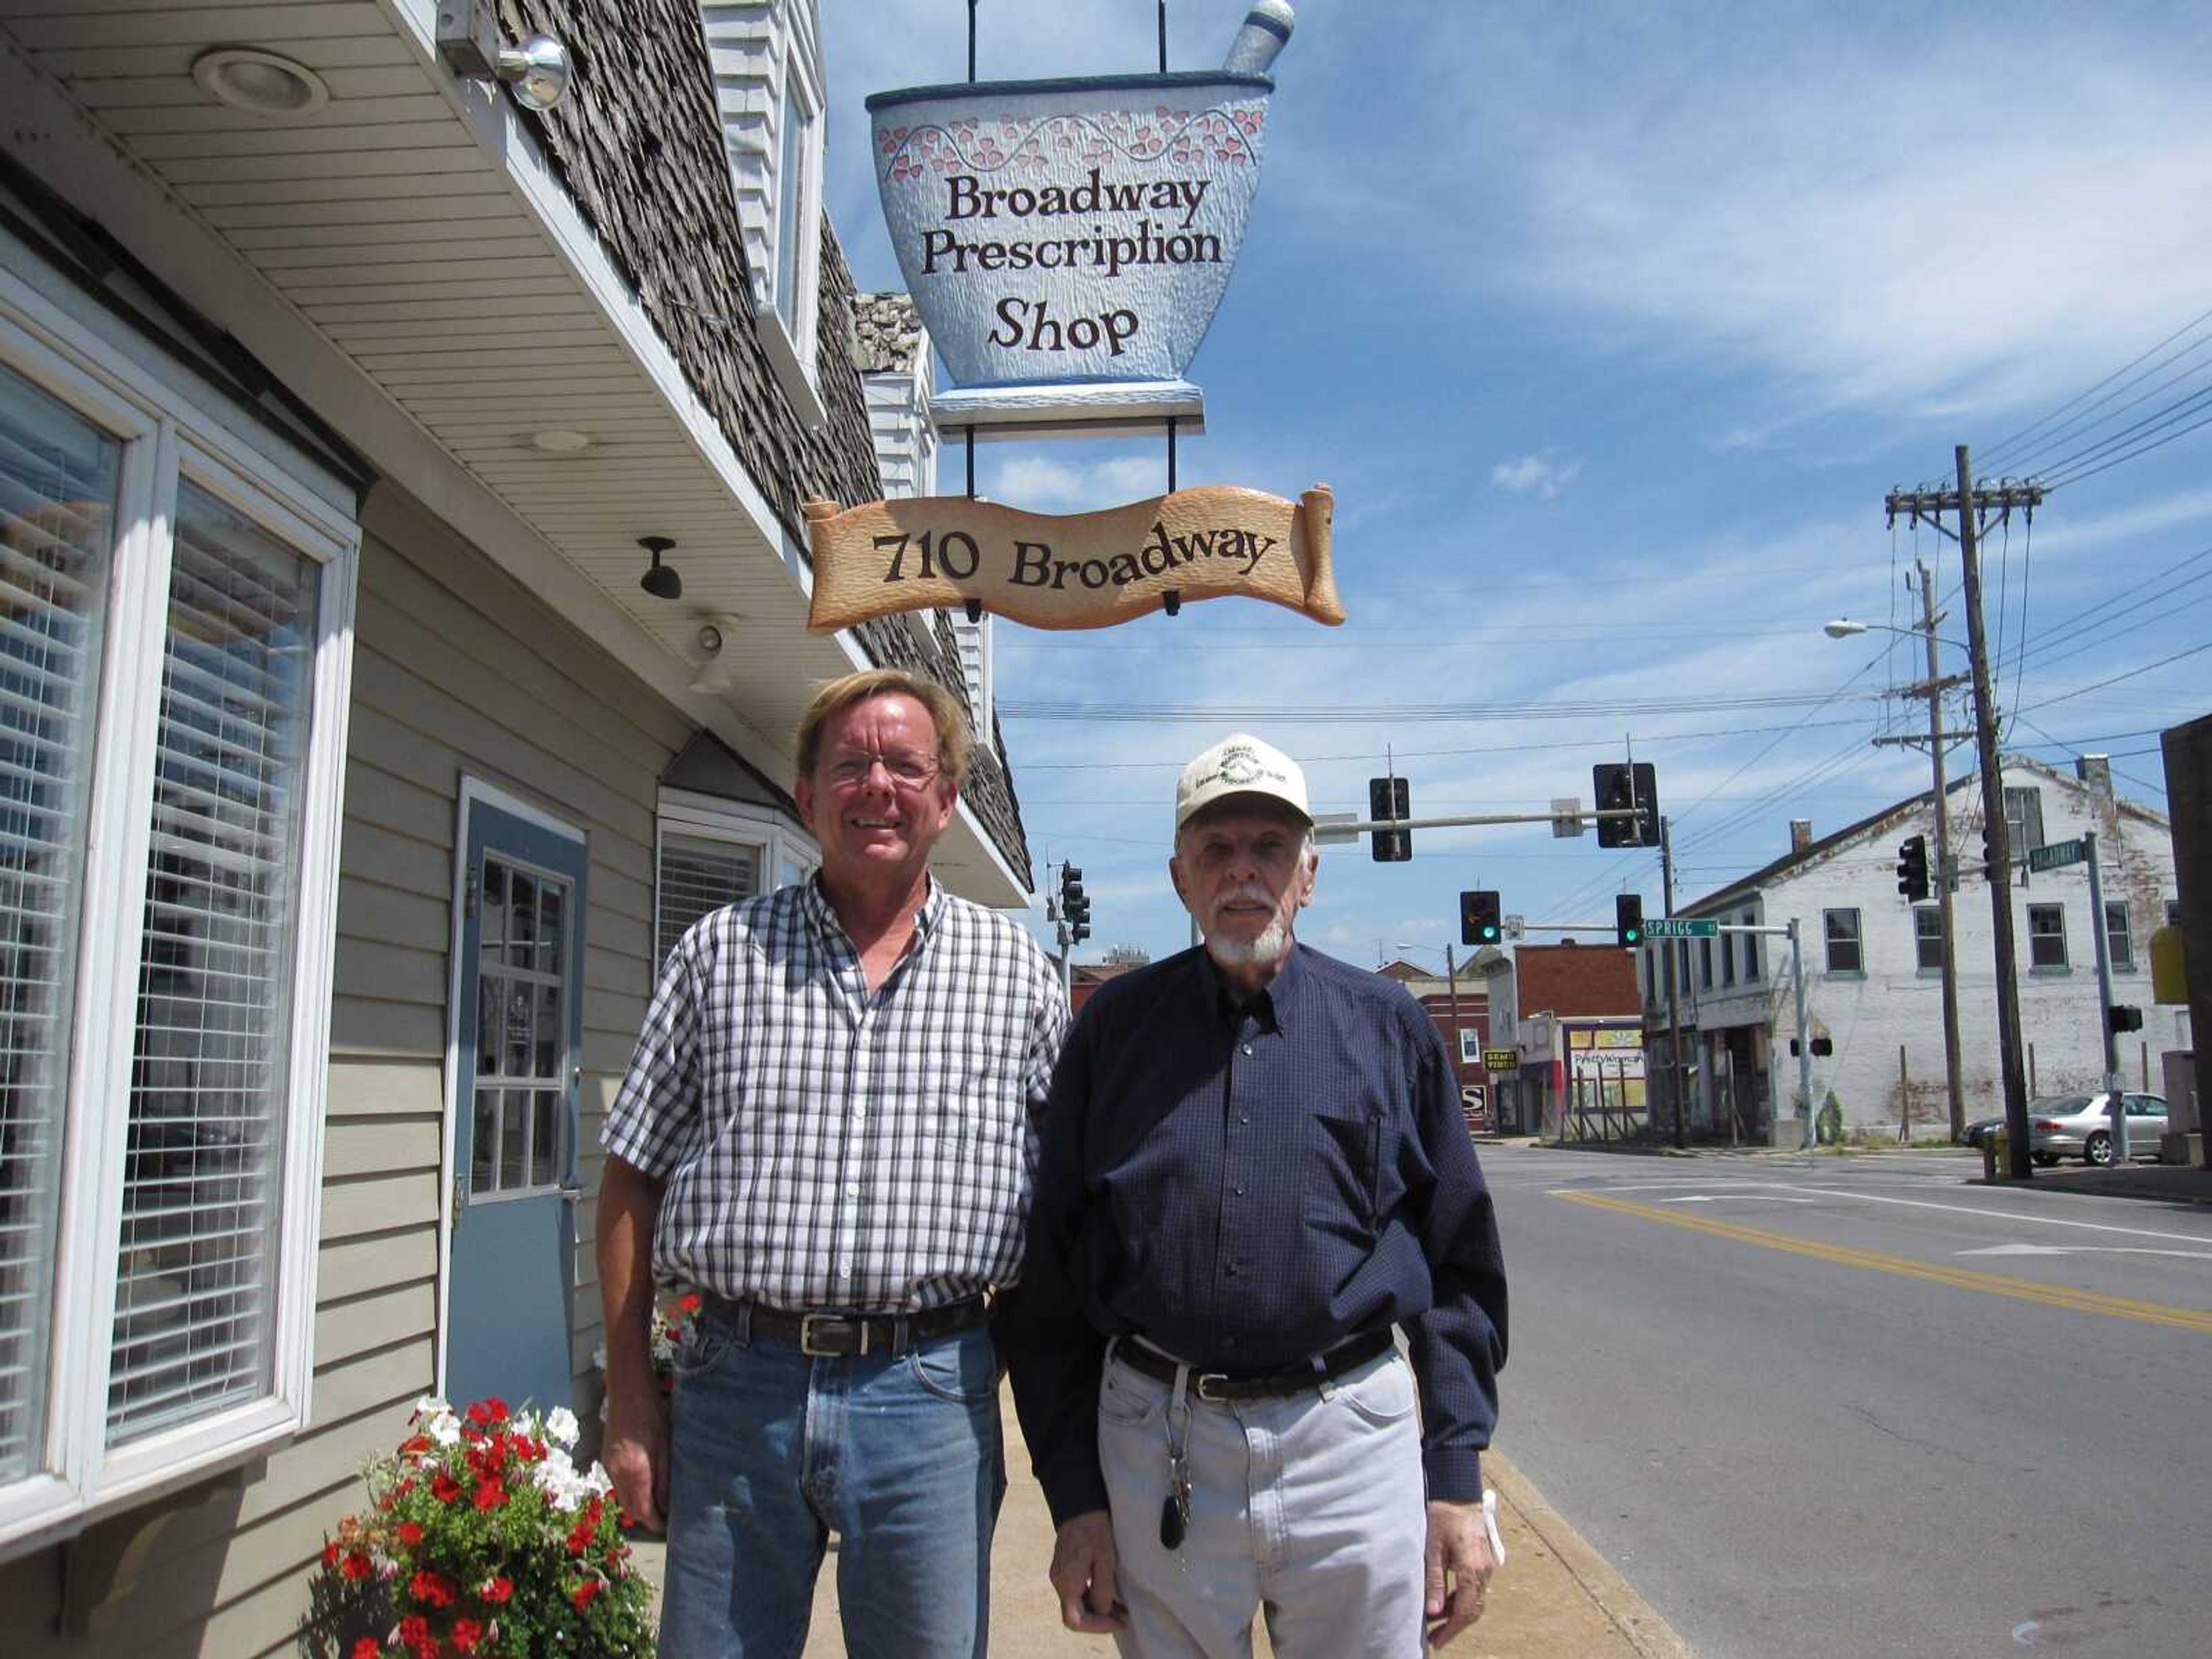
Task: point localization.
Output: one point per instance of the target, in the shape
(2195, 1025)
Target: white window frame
(1922, 933)
(2119, 942)
(790, 323)
(783, 846)
(2065, 963)
(1829, 940)
(172, 425)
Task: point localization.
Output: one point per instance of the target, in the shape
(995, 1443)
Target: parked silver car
(2078, 1126)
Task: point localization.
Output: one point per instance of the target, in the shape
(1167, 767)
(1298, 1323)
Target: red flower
(367, 1648)
(587, 1593)
(691, 1301)
(466, 1634)
(415, 1633)
(355, 1566)
(421, 1442)
(410, 1534)
(445, 1488)
(491, 1495)
(427, 1586)
(331, 1553)
(579, 1538)
(498, 1590)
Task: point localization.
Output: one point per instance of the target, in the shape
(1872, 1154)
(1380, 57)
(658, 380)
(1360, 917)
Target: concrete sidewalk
(1556, 1597)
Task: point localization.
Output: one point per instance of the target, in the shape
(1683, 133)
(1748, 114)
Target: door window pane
(551, 932)
(483, 1141)
(193, 1326)
(547, 1026)
(58, 486)
(513, 1137)
(544, 1138)
(2046, 935)
(522, 921)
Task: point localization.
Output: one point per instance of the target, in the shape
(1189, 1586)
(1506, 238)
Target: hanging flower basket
(482, 1538)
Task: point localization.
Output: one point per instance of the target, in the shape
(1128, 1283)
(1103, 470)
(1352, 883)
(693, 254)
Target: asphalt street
(1824, 1408)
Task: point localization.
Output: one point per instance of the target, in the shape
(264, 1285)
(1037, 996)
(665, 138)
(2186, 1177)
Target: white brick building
(1873, 966)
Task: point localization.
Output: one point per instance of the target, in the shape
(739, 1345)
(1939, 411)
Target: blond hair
(955, 744)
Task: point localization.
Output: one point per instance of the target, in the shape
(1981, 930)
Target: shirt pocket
(1347, 1156)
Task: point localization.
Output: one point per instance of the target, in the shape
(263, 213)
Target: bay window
(174, 611)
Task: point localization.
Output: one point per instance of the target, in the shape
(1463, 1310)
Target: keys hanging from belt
(1175, 1508)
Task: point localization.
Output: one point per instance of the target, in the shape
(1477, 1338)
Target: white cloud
(1533, 472)
(1046, 484)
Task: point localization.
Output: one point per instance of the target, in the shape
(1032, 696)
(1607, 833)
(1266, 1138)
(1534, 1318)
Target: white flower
(560, 1425)
(431, 1405)
(445, 1430)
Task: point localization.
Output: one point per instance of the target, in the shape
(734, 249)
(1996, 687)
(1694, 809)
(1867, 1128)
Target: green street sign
(1674, 928)
(2056, 855)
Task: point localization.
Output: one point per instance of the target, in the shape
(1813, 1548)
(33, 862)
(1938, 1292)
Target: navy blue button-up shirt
(1246, 1185)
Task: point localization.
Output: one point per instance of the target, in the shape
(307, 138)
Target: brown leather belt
(1213, 1386)
(839, 1334)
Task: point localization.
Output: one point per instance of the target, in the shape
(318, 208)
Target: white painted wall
(1894, 1003)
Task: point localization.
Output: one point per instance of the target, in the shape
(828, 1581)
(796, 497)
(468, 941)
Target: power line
(2005, 446)
(2084, 691)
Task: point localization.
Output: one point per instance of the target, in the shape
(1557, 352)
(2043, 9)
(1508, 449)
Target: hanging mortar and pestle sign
(1067, 243)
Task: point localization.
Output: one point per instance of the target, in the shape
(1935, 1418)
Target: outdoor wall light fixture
(659, 579)
(468, 40)
(259, 82)
(560, 440)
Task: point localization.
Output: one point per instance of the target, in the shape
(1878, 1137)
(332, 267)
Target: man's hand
(1083, 1571)
(635, 1454)
(1458, 1560)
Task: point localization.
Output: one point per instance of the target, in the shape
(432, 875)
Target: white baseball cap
(1240, 765)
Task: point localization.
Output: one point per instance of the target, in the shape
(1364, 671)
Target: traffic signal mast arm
(1338, 830)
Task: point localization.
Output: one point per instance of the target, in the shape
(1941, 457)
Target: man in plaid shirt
(828, 1130)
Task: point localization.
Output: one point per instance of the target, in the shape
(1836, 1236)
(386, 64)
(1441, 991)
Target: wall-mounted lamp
(659, 579)
(468, 40)
(716, 662)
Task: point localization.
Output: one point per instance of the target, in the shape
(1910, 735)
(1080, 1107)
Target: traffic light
(1389, 797)
(1480, 922)
(1628, 920)
(1913, 868)
(2125, 1018)
(1074, 905)
(1614, 788)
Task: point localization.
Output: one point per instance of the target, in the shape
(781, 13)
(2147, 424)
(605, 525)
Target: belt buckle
(850, 1341)
(1203, 1382)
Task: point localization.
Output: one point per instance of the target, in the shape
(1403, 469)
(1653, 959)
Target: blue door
(520, 1016)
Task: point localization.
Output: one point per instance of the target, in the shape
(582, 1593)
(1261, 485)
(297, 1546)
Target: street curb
(1635, 1619)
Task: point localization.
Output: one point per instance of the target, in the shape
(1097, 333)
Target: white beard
(1272, 945)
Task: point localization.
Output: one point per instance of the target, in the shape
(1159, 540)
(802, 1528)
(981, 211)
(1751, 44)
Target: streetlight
(1843, 628)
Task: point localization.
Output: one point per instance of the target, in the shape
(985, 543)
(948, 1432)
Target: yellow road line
(2056, 1296)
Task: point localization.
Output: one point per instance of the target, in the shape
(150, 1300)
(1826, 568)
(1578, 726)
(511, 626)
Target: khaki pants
(1310, 1510)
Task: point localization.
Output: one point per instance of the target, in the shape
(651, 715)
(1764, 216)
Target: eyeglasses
(906, 771)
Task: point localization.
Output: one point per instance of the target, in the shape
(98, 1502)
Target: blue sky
(1610, 327)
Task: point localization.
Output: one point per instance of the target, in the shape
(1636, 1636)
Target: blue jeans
(772, 1451)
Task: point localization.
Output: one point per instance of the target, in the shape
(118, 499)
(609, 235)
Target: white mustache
(1242, 893)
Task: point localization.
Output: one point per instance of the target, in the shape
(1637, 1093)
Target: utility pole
(1943, 866)
(2114, 1098)
(1970, 503)
(1670, 948)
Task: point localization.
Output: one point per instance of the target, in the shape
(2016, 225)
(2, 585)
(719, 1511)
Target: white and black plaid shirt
(825, 1148)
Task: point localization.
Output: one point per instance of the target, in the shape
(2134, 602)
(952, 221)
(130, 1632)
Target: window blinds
(698, 875)
(57, 490)
(194, 1326)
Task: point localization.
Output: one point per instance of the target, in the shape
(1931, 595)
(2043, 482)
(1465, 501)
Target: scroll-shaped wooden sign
(1081, 570)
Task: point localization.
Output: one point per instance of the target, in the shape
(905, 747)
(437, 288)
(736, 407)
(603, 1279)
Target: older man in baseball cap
(1253, 1173)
